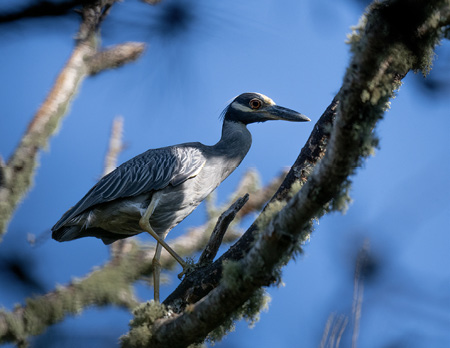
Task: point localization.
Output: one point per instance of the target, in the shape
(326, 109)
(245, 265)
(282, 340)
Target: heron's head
(255, 107)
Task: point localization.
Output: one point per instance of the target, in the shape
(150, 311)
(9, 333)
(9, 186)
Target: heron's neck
(235, 141)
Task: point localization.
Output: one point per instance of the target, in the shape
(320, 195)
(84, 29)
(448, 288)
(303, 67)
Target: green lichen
(16, 330)
(234, 274)
(272, 209)
(140, 332)
(355, 36)
(103, 287)
(295, 188)
(249, 311)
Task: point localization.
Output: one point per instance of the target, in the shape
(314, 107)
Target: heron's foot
(188, 268)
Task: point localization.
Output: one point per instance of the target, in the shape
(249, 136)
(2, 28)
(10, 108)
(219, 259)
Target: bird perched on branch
(157, 189)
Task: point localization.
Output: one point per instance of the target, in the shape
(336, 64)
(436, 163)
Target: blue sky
(296, 54)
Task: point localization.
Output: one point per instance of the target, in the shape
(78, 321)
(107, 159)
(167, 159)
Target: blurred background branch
(38, 9)
(16, 176)
(277, 235)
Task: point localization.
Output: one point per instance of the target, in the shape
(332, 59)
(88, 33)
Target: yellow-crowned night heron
(157, 189)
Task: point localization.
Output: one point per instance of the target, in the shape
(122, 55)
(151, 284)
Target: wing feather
(150, 171)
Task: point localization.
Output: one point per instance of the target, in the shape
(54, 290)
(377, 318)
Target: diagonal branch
(193, 287)
(369, 83)
(221, 227)
(16, 176)
(111, 283)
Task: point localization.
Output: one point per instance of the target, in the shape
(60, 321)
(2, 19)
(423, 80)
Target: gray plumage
(175, 179)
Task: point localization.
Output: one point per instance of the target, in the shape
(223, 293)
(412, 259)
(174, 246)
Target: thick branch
(128, 264)
(368, 84)
(201, 282)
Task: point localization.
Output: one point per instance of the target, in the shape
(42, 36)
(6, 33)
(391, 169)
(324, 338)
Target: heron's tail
(67, 233)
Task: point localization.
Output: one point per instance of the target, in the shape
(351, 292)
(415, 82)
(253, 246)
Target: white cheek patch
(240, 107)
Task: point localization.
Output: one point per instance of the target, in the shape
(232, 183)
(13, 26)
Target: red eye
(255, 103)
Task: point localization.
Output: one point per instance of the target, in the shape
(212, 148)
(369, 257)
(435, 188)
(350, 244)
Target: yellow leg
(156, 272)
(145, 225)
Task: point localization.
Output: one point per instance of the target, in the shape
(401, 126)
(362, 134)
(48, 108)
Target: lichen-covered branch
(112, 283)
(201, 282)
(16, 175)
(401, 45)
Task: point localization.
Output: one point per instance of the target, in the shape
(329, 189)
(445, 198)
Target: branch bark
(115, 56)
(213, 294)
(221, 227)
(401, 44)
(112, 283)
(198, 284)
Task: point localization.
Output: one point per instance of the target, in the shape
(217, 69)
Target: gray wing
(152, 170)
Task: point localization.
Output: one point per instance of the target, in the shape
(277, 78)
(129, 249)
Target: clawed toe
(188, 269)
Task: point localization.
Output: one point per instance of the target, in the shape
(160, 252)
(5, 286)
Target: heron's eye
(255, 103)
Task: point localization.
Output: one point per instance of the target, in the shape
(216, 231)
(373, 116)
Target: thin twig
(326, 330)
(115, 146)
(333, 331)
(358, 290)
(122, 246)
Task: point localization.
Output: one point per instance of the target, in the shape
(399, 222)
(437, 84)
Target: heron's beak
(276, 112)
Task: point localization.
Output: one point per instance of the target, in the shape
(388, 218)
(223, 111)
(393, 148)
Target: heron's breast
(174, 203)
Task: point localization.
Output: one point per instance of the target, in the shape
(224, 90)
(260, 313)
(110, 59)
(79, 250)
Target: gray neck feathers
(235, 141)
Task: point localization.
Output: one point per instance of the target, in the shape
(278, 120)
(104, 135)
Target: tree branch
(112, 283)
(115, 146)
(116, 56)
(16, 177)
(199, 283)
(369, 83)
(221, 227)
